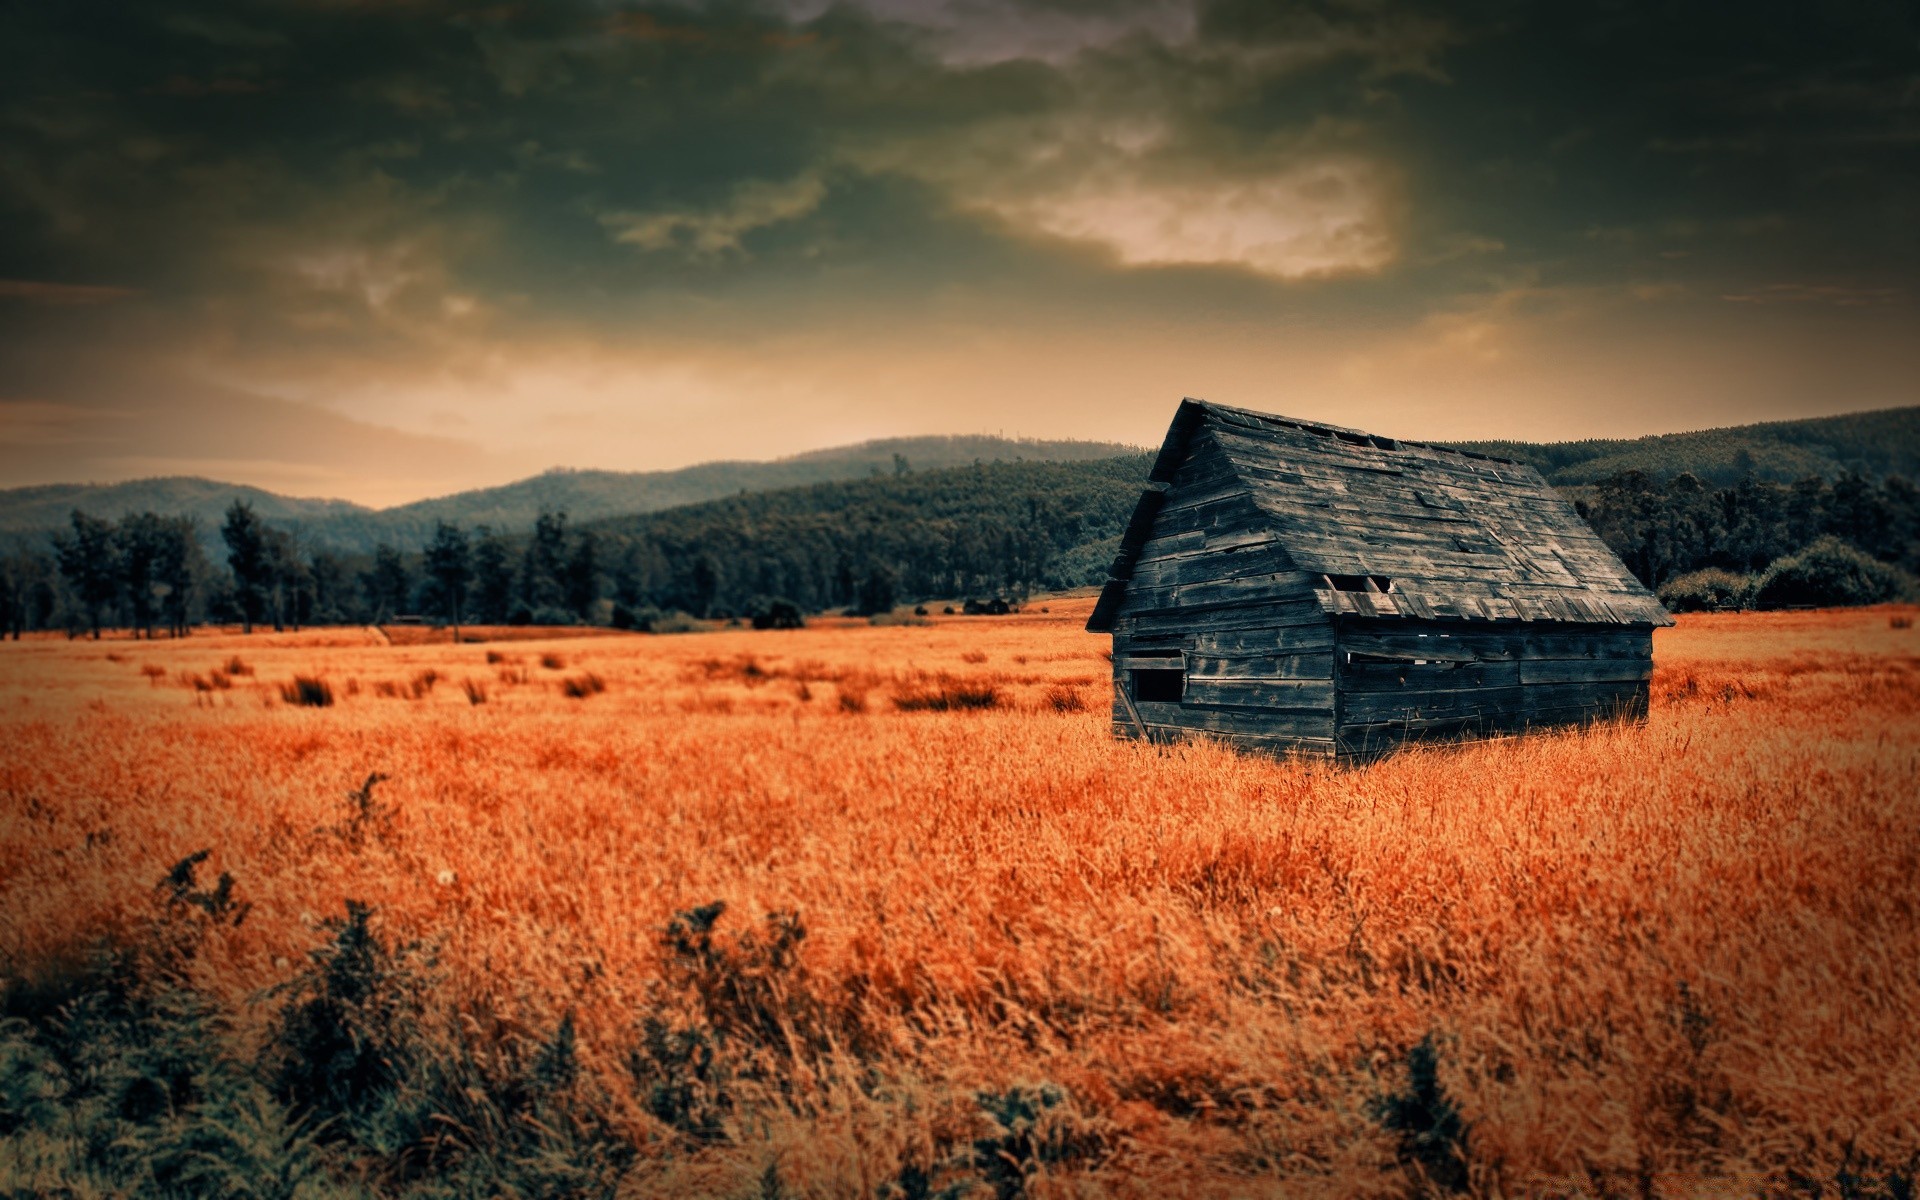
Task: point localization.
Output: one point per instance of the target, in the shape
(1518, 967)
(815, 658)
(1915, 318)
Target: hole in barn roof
(1359, 583)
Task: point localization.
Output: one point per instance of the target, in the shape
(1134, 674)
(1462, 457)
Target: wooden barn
(1293, 586)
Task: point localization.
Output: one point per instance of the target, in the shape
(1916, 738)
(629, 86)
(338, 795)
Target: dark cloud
(305, 195)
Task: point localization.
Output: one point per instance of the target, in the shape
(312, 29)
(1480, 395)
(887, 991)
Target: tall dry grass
(1671, 959)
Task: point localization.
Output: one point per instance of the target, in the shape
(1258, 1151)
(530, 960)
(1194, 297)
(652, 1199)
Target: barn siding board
(1270, 665)
(1235, 720)
(1598, 670)
(1242, 692)
(1312, 636)
(1433, 676)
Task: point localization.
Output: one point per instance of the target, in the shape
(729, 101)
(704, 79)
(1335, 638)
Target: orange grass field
(1675, 959)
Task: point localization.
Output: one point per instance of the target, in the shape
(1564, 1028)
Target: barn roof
(1461, 536)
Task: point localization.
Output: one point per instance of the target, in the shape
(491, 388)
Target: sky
(387, 250)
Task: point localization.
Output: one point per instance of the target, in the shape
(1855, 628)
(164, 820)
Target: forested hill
(31, 509)
(584, 495)
(1874, 444)
(986, 529)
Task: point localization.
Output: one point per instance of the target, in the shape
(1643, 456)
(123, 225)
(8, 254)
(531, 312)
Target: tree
(386, 583)
(177, 570)
(90, 562)
(288, 587)
(450, 563)
(703, 585)
(248, 556)
(583, 578)
(13, 598)
(876, 592)
(142, 539)
(543, 574)
(492, 579)
(332, 593)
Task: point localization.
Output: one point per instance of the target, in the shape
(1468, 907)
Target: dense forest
(989, 531)
(1873, 444)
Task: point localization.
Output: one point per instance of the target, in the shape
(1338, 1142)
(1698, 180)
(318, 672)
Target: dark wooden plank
(1280, 745)
(1452, 639)
(1584, 670)
(1433, 676)
(1224, 719)
(1268, 615)
(1311, 635)
(1378, 707)
(1606, 697)
(1260, 666)
(1227, 593)
(1236, 562)
(1261, 693)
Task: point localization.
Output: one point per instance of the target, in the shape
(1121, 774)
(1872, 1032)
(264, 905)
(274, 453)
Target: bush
(1433, 1136)
(678, 622)
(309, 691)
(1830, 574)
(1035, 1129)
(1706, 590)
(347, 1035)
(579, 687)
(775, 613)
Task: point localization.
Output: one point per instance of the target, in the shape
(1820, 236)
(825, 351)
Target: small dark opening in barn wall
(1159, 685)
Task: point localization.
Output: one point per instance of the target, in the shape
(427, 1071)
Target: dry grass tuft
(308, 691)
(944, 694)
(579, 687)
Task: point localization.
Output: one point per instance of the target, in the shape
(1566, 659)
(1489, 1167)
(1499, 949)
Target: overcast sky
(387, 250)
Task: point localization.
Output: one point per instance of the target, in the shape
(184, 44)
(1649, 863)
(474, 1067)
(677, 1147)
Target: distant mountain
(29, 509)
(1875, 444)
(584, 495)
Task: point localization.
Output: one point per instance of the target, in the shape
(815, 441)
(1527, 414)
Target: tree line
(993, 530)
(1664, 529)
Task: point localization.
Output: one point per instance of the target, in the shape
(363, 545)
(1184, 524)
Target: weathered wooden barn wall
(1214, 582)
(1402, 680)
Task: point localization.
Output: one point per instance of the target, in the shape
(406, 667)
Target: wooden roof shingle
(1459, 534)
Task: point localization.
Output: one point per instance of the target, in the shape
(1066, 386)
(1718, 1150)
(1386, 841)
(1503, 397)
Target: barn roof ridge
(1457, 535)
(1193, 410)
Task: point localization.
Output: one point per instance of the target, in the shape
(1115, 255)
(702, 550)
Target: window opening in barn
(1159, 676)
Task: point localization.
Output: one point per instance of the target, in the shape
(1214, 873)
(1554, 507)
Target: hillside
(1875, 444)
(30, 509)
(584, 495)
(979, 530)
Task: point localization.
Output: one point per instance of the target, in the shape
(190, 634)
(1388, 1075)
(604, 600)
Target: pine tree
(90, 562)
(449, 562)
(246, 538)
